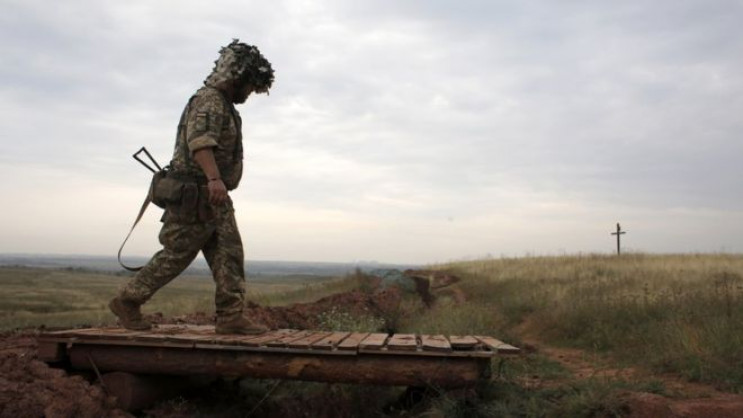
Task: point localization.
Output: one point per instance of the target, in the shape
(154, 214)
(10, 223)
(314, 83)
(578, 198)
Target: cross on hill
(618, 234)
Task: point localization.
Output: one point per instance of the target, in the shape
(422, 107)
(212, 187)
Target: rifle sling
(146, 203)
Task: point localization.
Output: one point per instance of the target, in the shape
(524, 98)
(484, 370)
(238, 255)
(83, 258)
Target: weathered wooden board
(435, 343)
(98, 333)
(151, 338)
(263, 339)
(352, 341)
(498, 345)
(189, 338)
(380, 369)
(330, 341)
(403, 342)
(306, 342)
(373, 342)
(184, 328)
(284, 341)
(192, 336)
(462, 342)
(375, 358)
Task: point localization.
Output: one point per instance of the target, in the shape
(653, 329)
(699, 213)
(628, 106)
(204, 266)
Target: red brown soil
(30, 388)
(690, 400)
(382, 304)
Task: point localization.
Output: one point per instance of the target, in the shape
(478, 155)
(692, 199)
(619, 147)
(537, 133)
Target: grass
(670, 313)
(33, 297)
(666, 313)
(300, 293)
(338, 320)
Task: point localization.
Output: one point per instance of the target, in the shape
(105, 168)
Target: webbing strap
(146, 203)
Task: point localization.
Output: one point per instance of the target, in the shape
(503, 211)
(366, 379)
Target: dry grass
(679, 313)
(32, 297)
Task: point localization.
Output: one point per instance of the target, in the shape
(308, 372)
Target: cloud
(435, 126)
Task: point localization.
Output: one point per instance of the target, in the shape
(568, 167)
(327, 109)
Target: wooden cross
(618, 234)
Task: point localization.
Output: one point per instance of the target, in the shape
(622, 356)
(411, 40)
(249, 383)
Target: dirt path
(689, 400)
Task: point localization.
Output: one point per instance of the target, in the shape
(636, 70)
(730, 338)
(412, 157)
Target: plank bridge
(343, 357)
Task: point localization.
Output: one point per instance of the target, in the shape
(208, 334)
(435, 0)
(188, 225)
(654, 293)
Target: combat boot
(238, 324)
(129, 315)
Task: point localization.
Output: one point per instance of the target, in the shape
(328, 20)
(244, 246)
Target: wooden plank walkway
(349, 357)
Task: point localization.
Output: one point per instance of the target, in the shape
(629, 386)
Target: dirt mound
(381, 304)
(30, 388)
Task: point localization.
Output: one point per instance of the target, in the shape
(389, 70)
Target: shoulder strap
(146, 203)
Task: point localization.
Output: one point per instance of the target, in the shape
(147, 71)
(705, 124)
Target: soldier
(208, 155)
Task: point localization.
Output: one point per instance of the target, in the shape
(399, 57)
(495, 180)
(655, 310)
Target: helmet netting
(244, 64)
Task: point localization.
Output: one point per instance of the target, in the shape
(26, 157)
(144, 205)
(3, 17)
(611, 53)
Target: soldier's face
(241, 93)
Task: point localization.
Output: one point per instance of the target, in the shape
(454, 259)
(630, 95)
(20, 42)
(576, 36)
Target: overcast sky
(397, 131)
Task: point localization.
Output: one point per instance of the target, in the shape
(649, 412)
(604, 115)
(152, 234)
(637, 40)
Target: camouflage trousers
(220, 242)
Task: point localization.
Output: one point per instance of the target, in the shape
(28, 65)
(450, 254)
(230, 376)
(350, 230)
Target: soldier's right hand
(217, 192)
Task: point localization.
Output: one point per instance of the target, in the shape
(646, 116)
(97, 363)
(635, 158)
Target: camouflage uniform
(208, 121)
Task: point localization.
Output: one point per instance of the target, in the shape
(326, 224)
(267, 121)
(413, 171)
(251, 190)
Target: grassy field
(675, 313)
(679, 314)
(32, 297)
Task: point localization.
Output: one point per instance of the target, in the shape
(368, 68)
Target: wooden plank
(488, 353)
(185, 329)
(381, 369)
(66, 332)
(151, 338)
(188, 338)
(282, 350)
(107, 334)
(373, 342)
(124, 334)
(404, 342)
(202, 335)
(498, 345)
(435, 343)
(127, 342)
(352, 341)
(330, 341)
(230, 340)
(306, 342)
(285, 340)
(247, 339)
(263, 339)
(463, 342)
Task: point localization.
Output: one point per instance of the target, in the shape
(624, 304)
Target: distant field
(72, 297)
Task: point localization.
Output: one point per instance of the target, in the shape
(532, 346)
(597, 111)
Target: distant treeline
(254, 268)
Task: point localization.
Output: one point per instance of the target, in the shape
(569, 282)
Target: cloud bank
(397, 131)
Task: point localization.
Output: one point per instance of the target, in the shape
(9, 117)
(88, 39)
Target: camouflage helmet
(244, 64)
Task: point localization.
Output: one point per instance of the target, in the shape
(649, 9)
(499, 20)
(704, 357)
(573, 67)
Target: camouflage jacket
(210, 120)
